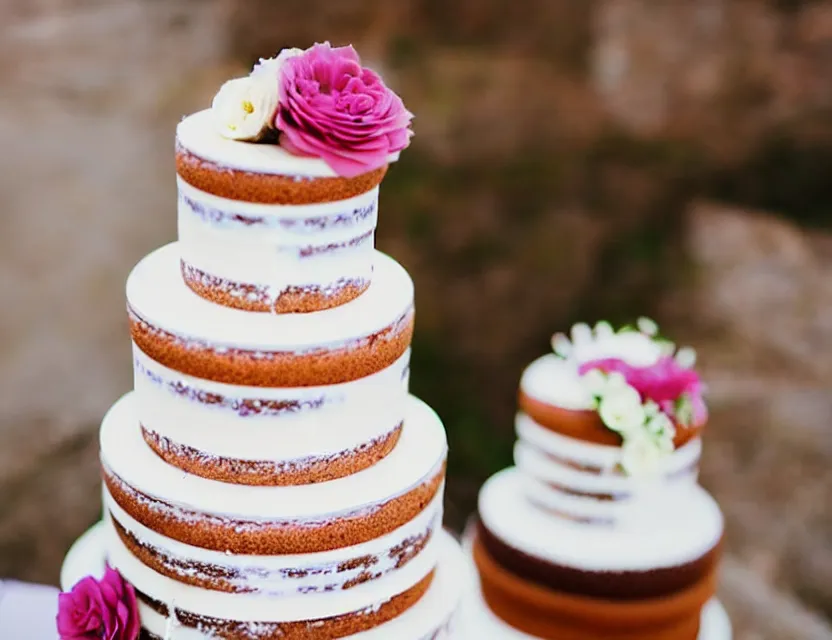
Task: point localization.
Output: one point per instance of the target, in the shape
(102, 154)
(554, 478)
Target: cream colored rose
(244, 108)
(621, 410)
(641, 455)
(271, 66)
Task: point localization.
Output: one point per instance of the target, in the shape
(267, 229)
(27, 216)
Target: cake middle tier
(269, 436)
(186, 333)
(268, 521)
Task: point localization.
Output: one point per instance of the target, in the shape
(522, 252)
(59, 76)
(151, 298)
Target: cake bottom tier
(428, 611)
(506, 607)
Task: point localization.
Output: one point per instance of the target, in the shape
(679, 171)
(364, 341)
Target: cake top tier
(627, 387)
(319, 104)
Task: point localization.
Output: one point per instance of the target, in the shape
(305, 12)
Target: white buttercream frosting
(289, 574)
(197, 134)
(433, 613)
(156, 292)
(556, 381)
(275, 247)
(417, 457)
(675, 532)
(543, 453)
(268, 423)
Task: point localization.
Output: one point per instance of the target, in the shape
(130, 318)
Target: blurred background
(573, 160)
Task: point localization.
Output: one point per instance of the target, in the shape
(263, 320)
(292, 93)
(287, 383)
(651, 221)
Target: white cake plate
(86, 557)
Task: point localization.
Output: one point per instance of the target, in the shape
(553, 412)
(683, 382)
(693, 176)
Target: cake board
(87, 557)
(478, 621)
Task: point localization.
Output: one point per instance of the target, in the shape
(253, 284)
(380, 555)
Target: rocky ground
(606, 158)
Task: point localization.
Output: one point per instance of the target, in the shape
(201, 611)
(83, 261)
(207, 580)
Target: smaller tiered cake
(601, 530)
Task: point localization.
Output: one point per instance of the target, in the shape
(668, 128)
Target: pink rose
(333, 108)
(665, 383)
(99, 610)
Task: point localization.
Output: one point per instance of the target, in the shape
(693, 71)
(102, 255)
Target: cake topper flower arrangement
(102, 609)
(642, 387)
(319, 102)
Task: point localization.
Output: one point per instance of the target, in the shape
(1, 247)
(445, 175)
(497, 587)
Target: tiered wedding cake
(270, 476)
(601, 531)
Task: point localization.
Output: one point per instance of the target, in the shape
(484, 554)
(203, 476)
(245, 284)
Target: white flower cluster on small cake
(645, 403)
(319, 102)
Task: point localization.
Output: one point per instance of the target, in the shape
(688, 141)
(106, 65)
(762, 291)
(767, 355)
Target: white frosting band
(289, 574)
(536, 441)
(156, 292)
(237, 422)
(418, 456)
(275, 247)
(680, 530)
(263, 608)
(197, 134)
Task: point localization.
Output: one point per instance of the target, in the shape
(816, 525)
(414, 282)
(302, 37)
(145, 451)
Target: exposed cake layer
(552, 614)
(431, 617)
(670, 545)
(229, 615)
(283, 258)
(187, 333)
(583, 481)
(282, 575)
(551, 391)
(264, 173)
(262, 435)
(274, 520)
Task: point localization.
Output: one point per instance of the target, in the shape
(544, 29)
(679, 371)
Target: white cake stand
(478, 621)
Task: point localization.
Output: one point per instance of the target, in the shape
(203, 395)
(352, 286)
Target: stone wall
(567, 164)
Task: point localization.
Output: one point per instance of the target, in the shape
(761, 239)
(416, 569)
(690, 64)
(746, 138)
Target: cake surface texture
(270, 476)
(601, 530)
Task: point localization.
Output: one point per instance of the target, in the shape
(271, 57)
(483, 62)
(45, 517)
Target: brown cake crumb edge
(265, 188)
(325, 628)
(553, 615)
(313, 470)
(272, 538)
(586, 425)
(325, 366)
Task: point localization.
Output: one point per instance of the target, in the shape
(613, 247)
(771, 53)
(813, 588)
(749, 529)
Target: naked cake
(270, 476)
(601, 530)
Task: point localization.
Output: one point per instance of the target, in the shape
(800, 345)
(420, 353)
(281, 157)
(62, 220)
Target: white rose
(271, 66)
(661, 428)
(595, 381)
(641, 456)
(244, 108)
(621, 410)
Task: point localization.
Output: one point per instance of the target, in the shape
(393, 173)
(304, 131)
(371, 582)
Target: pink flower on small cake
(333, 108)
(642, 388)
(102, 609)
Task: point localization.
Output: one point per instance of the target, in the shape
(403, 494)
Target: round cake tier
(171, 610)
(264, 173)
(478, 622)
(269, 435)
(187, 333)
(281, 258)
(668, 549)
(274, 520)
(552, 394)
(583, 481)
(281, 575)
